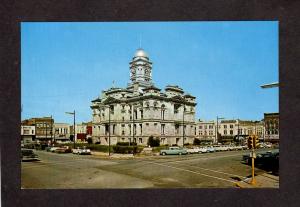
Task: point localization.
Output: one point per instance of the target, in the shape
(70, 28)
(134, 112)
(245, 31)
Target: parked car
(173, 151)
(193, 150)
(63, 149)
(81, 151)
(210, 149)
(202, 149)
(239, 147)
(28, 155)
(52, 149)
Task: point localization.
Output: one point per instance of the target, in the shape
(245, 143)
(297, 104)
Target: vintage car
(63, 149)
(81, 151)
(28, 155)
(173, 151)
(210, 149)
(193, 150)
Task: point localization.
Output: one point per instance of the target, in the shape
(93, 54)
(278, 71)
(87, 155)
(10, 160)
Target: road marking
(211, 170)
(194, 172)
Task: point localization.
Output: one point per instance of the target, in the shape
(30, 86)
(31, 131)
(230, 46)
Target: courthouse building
(141, 110)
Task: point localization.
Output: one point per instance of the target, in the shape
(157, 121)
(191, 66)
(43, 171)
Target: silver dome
(141, 53)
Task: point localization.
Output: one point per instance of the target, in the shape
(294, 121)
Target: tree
(90, 140)
(153, 142)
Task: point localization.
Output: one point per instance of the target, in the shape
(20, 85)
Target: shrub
(197, 141)
(125, 149)
(126, 144)
(90, 140)
(174, 145)
(153, 142)
(185, 144)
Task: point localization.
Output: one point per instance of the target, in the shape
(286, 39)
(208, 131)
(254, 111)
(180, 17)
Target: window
(140, 140)
(200, 127)
(176, 128)
(155, 124)
(210, 126)
(123, 118)
(162, 129)
(147, 124)
(225, 131)
(225, 126)
(176, 106)
(141, 127)
(134, 129)
(112, 109)
(231, 132)
(231, 126)
(142, 114)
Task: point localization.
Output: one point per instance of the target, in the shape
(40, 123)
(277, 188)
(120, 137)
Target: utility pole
(238, 134)
(51, 132)
(74, 130)
(109, 131)
(183, 133)
(73, 113)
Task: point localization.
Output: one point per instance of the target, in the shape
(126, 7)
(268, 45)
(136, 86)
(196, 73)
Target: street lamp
(217, 130)
(270, 85)
(73, 113)
(183, 132)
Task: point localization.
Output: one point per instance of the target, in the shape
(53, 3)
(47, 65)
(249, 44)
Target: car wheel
(180, 153)
(163, 153)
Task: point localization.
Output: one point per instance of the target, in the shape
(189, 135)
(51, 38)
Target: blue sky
(66, 65)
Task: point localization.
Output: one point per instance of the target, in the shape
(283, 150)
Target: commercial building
(43, 128)
(27, 133)
(206, 131)
(141, 110)
(271, 121)
(61, 132)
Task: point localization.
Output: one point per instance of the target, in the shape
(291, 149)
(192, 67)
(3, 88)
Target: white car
(81, 151)
(52, 149)
(203, 150)
(192, 150)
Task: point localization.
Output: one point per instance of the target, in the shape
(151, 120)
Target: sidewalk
(112, 155)
(262, 181)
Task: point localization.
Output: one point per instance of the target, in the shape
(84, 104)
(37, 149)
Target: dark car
(28, 155)
(269, 158)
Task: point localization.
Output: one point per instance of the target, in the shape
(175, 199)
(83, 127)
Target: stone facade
(141, 110)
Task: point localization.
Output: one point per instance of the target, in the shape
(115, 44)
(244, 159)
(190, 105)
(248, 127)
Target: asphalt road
(68, 171)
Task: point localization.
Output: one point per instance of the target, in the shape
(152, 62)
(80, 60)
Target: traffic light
(250, 142)
(255, 142)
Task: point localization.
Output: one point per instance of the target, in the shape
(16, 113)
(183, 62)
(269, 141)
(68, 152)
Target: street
(69, 171)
